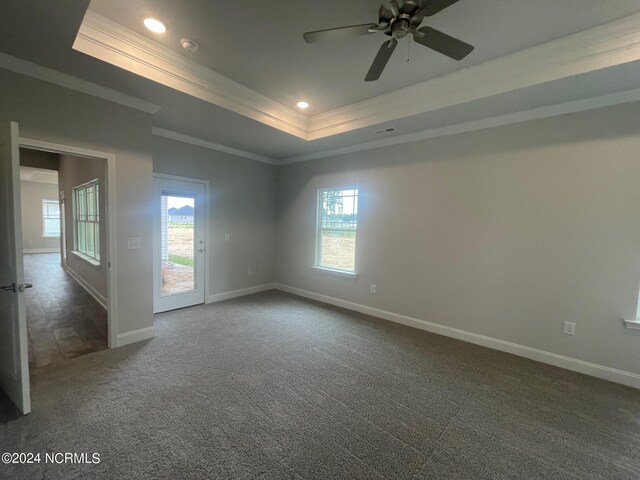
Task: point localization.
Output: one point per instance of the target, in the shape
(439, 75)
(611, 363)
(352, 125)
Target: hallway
(63, 320)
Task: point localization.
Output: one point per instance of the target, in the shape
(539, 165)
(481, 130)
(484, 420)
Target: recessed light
(155, 25)
(303, 105)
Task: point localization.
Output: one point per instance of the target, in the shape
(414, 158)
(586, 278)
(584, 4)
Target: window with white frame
(87, 219)
(50, 218)
(337, 225)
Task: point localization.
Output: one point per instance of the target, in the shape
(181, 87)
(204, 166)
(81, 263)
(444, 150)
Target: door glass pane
(177, 243)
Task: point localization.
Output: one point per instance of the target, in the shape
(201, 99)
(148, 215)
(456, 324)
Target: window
(87, 219)
(50, 218)
(337, 224)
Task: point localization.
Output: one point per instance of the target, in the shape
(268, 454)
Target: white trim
(614, 43)
(42, 250)
(573, 364)
(135, 336)
(112, 237)
(111, 42)
(199, 142)
(219, 297)
(87, 286)
(632, 324)
(335, 271)
(39, 72)
(484, 123)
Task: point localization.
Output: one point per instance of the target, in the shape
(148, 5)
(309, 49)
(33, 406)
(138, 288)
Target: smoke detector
(189, 45)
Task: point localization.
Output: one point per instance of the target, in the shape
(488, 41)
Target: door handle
(16, 287)
(9, 288)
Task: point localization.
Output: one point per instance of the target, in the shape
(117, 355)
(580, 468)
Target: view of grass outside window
(178, 244)
(50, 218)
(337, 225)
(87, 219)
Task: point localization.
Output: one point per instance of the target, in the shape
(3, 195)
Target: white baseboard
(41, 250)
(573, 364)
(89, 288)
(135, 336)
(218, 297)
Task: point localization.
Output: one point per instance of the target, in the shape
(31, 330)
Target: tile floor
(63, 320)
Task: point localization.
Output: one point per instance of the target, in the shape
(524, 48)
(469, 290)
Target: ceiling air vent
(385, 131)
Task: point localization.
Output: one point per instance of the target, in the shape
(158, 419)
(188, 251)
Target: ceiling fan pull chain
(409, 52)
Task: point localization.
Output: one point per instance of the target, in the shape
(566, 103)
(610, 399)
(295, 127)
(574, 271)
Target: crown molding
(604, 46)
(199, 142)
(17, 65)
(608, 45)
(109, 41)
(484, 123)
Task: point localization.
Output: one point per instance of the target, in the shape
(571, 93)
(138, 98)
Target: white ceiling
(38, 175)
(282, 67)
(259, 43)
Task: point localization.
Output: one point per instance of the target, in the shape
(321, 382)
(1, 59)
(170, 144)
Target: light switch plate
(133, 243)
(569, 328)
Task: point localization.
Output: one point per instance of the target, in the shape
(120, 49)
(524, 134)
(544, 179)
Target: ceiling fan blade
(432, 7)
(395, 9)
(338, 33)
(383, 56)
(409, 6)
(442, 43)
(384, 14)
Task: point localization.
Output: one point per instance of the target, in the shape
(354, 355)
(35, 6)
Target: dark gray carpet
(273, 386)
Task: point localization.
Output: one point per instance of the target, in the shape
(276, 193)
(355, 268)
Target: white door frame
(207, 234)
(112, 244)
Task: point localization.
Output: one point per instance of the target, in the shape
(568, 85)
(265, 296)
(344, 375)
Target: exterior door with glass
(179, 243)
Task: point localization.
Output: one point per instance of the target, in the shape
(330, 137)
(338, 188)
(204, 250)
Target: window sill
(632, 324)
(49, 236)
(334, 271)
(86, 258)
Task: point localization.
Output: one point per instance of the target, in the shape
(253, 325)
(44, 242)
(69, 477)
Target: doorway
(14, 361)
(179, 242)
(67, 303)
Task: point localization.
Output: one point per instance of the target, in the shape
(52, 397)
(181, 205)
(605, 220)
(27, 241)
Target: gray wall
(241, 203)
(31, 196)
(51, 113)
(75, 171)
(505, 232)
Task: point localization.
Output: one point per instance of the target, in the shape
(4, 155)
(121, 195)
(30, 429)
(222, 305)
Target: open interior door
(14, 359)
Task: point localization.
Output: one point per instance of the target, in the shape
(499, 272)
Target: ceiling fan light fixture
(302, 105)
(155, 25)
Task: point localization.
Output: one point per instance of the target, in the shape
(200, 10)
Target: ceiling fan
(397, 22)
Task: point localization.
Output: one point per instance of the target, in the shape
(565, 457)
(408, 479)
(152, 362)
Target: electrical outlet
(373, 288)
(569, 328)
(226, 237)
(250, 272)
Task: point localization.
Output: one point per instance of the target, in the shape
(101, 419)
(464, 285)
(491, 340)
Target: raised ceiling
(259, 43)
(601, 67)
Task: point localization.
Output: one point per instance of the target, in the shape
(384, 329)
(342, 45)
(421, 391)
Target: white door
(179, 244)
(14, 359)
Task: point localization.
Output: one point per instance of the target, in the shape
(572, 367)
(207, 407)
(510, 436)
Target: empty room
(339, 239)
